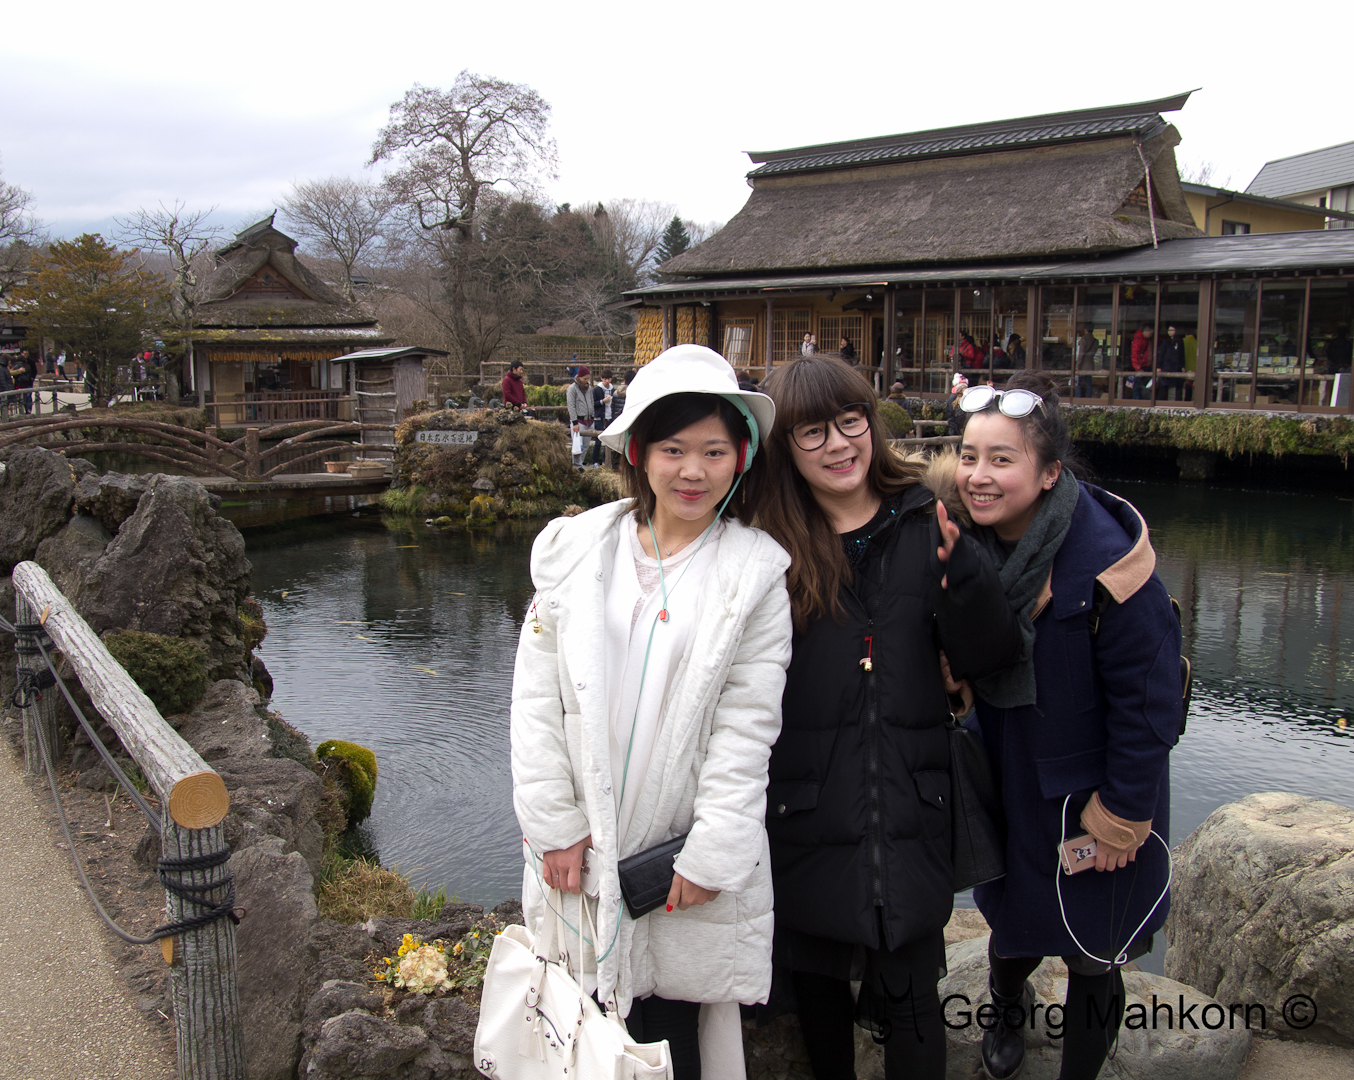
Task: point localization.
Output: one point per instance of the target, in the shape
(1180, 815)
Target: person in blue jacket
(1079, 732)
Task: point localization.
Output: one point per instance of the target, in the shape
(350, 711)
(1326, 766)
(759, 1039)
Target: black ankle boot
(1004, 1045)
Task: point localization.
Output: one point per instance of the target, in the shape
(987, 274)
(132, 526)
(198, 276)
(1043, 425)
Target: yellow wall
(1261, 219)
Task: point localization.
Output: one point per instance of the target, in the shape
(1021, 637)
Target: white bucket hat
(687, 369)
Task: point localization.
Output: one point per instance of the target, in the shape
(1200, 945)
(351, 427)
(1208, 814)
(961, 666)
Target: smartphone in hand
(1077, 854)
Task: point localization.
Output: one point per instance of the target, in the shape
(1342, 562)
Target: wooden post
(251, 452)
(41, 715)
(770, 345)
(195, 801)
(202, 965)
(890, 358)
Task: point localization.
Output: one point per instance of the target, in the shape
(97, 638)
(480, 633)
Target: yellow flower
(475, 934)
(458, 950)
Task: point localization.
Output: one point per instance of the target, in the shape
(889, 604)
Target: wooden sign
(461, 438)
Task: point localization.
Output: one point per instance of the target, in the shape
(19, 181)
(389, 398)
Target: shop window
(907, 365)
(1092, 350)
(788, 336)
(976, 338)
(1330, 327)
(1235, 228)
(1277, 367)
(1235, 313)
(1057, 306)
(1136, 344)
(1011, 335)
(1177, 342)
(938, 341)
(736, 341)
(832, 328)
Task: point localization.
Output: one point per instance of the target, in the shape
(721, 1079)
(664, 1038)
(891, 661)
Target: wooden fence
(193, 802)
(200, 453)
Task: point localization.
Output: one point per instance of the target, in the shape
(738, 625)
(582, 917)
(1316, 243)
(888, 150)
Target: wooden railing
(278, 407)
(200, 453)
(193, 802)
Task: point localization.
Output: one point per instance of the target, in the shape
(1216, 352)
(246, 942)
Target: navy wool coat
(1107, 714)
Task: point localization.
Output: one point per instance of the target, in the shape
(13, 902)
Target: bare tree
(453, 150)
(20, 234)
(185, 239)
(342, 218)
(628, 231)
(701, 231)
(1201, 172)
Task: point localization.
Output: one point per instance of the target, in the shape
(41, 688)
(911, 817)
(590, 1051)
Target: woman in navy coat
(1078, 733)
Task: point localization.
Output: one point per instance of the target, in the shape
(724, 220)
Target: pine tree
(675, 240)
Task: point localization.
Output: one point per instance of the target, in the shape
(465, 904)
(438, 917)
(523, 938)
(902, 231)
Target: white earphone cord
(1122, 958)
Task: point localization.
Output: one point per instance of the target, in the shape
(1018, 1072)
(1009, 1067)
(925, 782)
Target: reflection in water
(403, 640)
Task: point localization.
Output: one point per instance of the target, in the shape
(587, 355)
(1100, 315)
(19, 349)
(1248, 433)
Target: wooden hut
(265, 334)
(386, 383)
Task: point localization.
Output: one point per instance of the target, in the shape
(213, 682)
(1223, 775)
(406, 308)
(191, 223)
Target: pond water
(402, 638)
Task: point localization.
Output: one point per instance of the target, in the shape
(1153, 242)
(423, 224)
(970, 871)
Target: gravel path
(65, 1013)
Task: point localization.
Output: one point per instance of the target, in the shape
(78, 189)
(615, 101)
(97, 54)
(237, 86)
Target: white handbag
(576, 442)
(537, 1023)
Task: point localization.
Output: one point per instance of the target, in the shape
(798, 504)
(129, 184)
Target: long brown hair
(814, 388)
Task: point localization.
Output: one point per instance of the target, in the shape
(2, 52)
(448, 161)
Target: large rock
(1184, 1050)
(271, 944)
(269, 796)
(37, 488)
(176, 567)
(356, 1044)
(69, 554)
(112, 497)
(1262, 909)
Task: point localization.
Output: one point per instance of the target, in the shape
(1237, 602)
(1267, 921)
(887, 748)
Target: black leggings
(1087, 1034)
(654, 1018)
(915, 1048)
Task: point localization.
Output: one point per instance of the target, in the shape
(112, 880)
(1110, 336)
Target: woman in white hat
(646, 697)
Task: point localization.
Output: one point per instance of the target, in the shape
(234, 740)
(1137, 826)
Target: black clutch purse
(979, 833)
(646, 876)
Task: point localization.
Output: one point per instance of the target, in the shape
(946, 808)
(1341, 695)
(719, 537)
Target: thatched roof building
(1060, 185)
(267, 329)
(1061, 242)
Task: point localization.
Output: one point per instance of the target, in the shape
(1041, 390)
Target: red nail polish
(669, 907)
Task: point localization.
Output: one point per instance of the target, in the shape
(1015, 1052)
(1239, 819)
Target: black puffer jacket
(858, 806)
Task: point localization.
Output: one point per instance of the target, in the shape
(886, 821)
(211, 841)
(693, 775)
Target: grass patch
(353, 890)
(1216, 431)
(171, 672)
(428, 904)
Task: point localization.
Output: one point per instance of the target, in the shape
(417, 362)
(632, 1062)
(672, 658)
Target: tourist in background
(514, 386)
(958, 386)
(858, 804)
(24, 371)
(578, 401)
(1140, 356)
(603, 396)
(1171, 359)
(897, 396)
(1079, 732)
(808, 346)
(1015, 352)
(847, 351)
(645, 700)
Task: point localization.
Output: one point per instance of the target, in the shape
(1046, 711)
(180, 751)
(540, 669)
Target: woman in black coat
(858, 802)
(1078, 733)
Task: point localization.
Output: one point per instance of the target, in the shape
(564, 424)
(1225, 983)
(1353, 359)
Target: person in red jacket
(514, 390)
(1141, 358)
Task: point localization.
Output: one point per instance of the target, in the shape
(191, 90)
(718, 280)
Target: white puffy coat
(721, 715)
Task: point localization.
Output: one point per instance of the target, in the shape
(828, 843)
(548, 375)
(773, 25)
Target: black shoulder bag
(978, 841)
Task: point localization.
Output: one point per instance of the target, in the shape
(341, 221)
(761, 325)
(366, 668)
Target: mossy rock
(354, 769)
(171, 672)
(896, 419)
(252, 627)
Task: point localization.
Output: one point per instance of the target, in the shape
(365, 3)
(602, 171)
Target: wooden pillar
(1203, 352)
(890, 361)
(770, 327)
(666, 342)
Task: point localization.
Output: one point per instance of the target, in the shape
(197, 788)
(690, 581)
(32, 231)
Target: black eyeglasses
(1013, 403)
(852, 420)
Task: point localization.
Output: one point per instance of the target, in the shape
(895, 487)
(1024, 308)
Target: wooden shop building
(266, 332)
(1063, 243)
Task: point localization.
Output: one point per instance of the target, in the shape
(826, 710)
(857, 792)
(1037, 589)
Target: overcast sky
(110, 107)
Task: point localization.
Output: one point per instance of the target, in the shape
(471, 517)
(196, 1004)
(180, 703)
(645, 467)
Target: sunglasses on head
(1013, 403)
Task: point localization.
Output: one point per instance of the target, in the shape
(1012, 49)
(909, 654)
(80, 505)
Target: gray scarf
(1023, 573)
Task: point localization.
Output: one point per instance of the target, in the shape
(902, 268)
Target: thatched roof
(1063, 199)
(259, 290)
